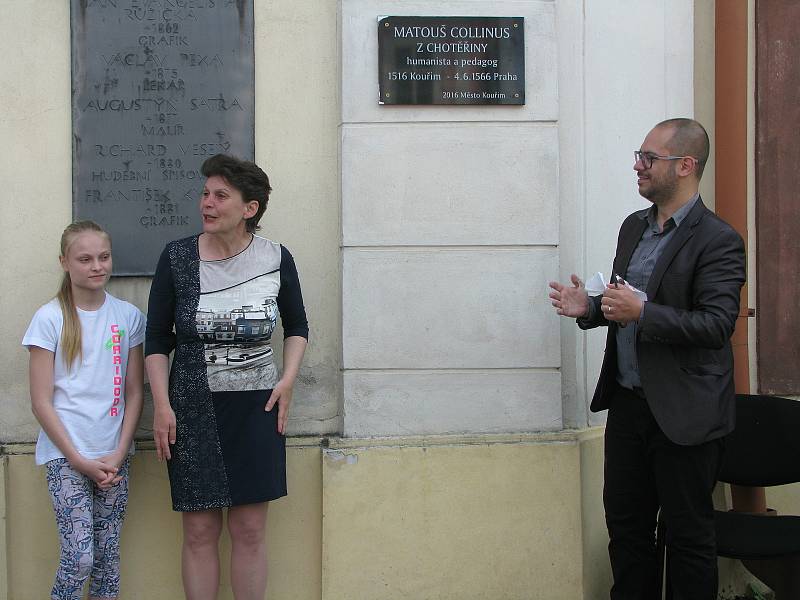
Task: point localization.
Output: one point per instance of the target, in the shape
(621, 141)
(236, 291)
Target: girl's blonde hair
(71, 338)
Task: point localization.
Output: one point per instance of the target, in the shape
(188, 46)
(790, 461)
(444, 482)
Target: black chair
(763, 451)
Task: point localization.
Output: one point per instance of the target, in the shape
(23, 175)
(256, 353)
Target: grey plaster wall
(450, 230)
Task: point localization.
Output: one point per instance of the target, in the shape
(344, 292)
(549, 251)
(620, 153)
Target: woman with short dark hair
(221, 411)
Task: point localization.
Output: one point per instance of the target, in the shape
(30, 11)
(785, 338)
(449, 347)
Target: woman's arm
(295, 337)
(294, 347)
(163, 415)
(41, 367)
(160, 341)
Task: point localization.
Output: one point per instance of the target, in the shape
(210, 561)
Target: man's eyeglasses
(647, 158)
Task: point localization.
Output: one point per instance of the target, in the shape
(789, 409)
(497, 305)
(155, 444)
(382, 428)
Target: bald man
(667, 375)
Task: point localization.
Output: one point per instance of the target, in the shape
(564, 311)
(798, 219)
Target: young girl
(86, 384)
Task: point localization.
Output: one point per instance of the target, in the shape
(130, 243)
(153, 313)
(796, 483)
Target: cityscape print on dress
(236, 326)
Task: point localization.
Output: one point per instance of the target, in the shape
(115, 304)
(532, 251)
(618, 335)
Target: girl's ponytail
(71, 338)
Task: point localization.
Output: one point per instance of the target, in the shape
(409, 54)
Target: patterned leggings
(89, 521)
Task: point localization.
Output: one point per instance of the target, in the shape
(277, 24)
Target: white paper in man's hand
(597, 283)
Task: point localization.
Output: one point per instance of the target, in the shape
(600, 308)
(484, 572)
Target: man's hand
(570, 301)
(620, 304)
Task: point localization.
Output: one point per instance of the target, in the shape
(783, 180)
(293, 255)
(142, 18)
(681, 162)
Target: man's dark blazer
(683, 341)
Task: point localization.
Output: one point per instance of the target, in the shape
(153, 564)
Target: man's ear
(687, 166)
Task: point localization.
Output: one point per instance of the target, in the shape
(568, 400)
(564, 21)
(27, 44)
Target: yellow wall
(461, 517)
(452, 520)
(152, 534)
(443, 517)
(596, 570)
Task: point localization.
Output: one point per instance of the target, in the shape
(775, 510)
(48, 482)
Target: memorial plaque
(158, 86)
(451, 60)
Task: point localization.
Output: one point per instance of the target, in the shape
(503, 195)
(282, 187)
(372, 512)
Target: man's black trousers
(645, 472)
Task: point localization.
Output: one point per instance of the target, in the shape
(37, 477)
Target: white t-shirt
(89, 398)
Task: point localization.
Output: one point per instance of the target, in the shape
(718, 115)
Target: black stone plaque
(451, 60)
(158, 86)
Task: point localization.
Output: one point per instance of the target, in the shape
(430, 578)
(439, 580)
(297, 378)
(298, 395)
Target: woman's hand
(163, 415)
(293, 348)
(163, 431)
(282, 395)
